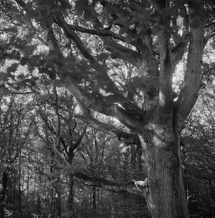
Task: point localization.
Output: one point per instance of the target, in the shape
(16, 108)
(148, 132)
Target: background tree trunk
(94, 205)
(71, 195)
(58, 204)
(20, 190)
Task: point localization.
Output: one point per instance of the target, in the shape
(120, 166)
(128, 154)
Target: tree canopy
(134, 68)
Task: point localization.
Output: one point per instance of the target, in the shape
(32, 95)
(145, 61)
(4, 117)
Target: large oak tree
(88, 46)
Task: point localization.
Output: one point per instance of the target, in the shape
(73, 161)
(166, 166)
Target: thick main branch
(192, 79)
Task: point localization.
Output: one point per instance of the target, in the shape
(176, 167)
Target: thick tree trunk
(166, 196)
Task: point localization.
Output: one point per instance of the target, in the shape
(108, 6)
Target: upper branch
(69, 32)
(191, 86)
(119, 51)
(97, 32)
(179, 50)
(166, 70)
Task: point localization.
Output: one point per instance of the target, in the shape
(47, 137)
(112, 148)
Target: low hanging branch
(124, 188)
